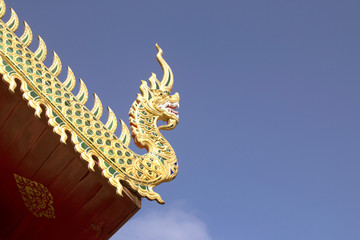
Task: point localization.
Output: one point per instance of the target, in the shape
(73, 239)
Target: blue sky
(269, 134)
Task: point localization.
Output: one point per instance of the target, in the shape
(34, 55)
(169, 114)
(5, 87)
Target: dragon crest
(94, 140)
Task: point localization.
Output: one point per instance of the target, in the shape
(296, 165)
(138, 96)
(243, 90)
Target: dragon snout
(171, 107)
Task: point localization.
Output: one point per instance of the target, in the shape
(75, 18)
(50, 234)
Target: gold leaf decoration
(36, 196)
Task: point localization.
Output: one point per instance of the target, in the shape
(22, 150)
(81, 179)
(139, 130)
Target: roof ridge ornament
(91, 137)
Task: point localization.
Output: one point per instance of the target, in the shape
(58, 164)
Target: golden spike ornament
(97, 110)
(13, 22)
(93, 139)
(70, 80)
(56, 66)
(111, 123)
(27, 36)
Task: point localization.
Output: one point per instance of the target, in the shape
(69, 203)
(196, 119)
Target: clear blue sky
(268, 140)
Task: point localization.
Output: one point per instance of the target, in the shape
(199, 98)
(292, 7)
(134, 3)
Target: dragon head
(157, 99)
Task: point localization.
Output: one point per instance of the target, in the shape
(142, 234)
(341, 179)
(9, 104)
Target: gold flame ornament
(92, 138)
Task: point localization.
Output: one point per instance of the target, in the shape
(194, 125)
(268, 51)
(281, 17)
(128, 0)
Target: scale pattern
(67, 112)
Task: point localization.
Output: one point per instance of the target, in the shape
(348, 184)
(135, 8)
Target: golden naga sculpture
(94, 140)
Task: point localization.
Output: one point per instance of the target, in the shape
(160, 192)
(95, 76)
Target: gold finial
(13, 22)
(83, 95)
(56, 66)
(27, 36)
(69, 82)
(125, 134)
(41, 51)
(97, 110)
(111, 123)
(2, 8)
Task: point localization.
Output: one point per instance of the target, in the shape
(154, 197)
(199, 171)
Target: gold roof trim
(92, 138)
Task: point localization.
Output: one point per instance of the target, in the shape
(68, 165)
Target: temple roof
(67, 114)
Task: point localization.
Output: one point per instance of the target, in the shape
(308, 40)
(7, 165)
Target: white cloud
(171, 225)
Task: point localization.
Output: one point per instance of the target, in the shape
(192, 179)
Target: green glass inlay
(129, 162)
(111, 170)
(84, 146)
(9, 50)
(169, 78)
(58, 120)
(119, 153)
(54, 70)
(18, 52)
(33, 94)
(40, 53)
(49, 90)
(99, 141)
(108, 142)
(111, 124)
(67, 103)
(90, 132)
(87, 123)
(82, 97)
(26, 38)
(8, 42)
(78, 121)
(121, 161)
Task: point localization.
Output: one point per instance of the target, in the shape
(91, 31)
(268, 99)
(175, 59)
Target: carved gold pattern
(36, 196)
(92, 138)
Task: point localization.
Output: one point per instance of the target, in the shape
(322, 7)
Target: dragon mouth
(171, 108)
